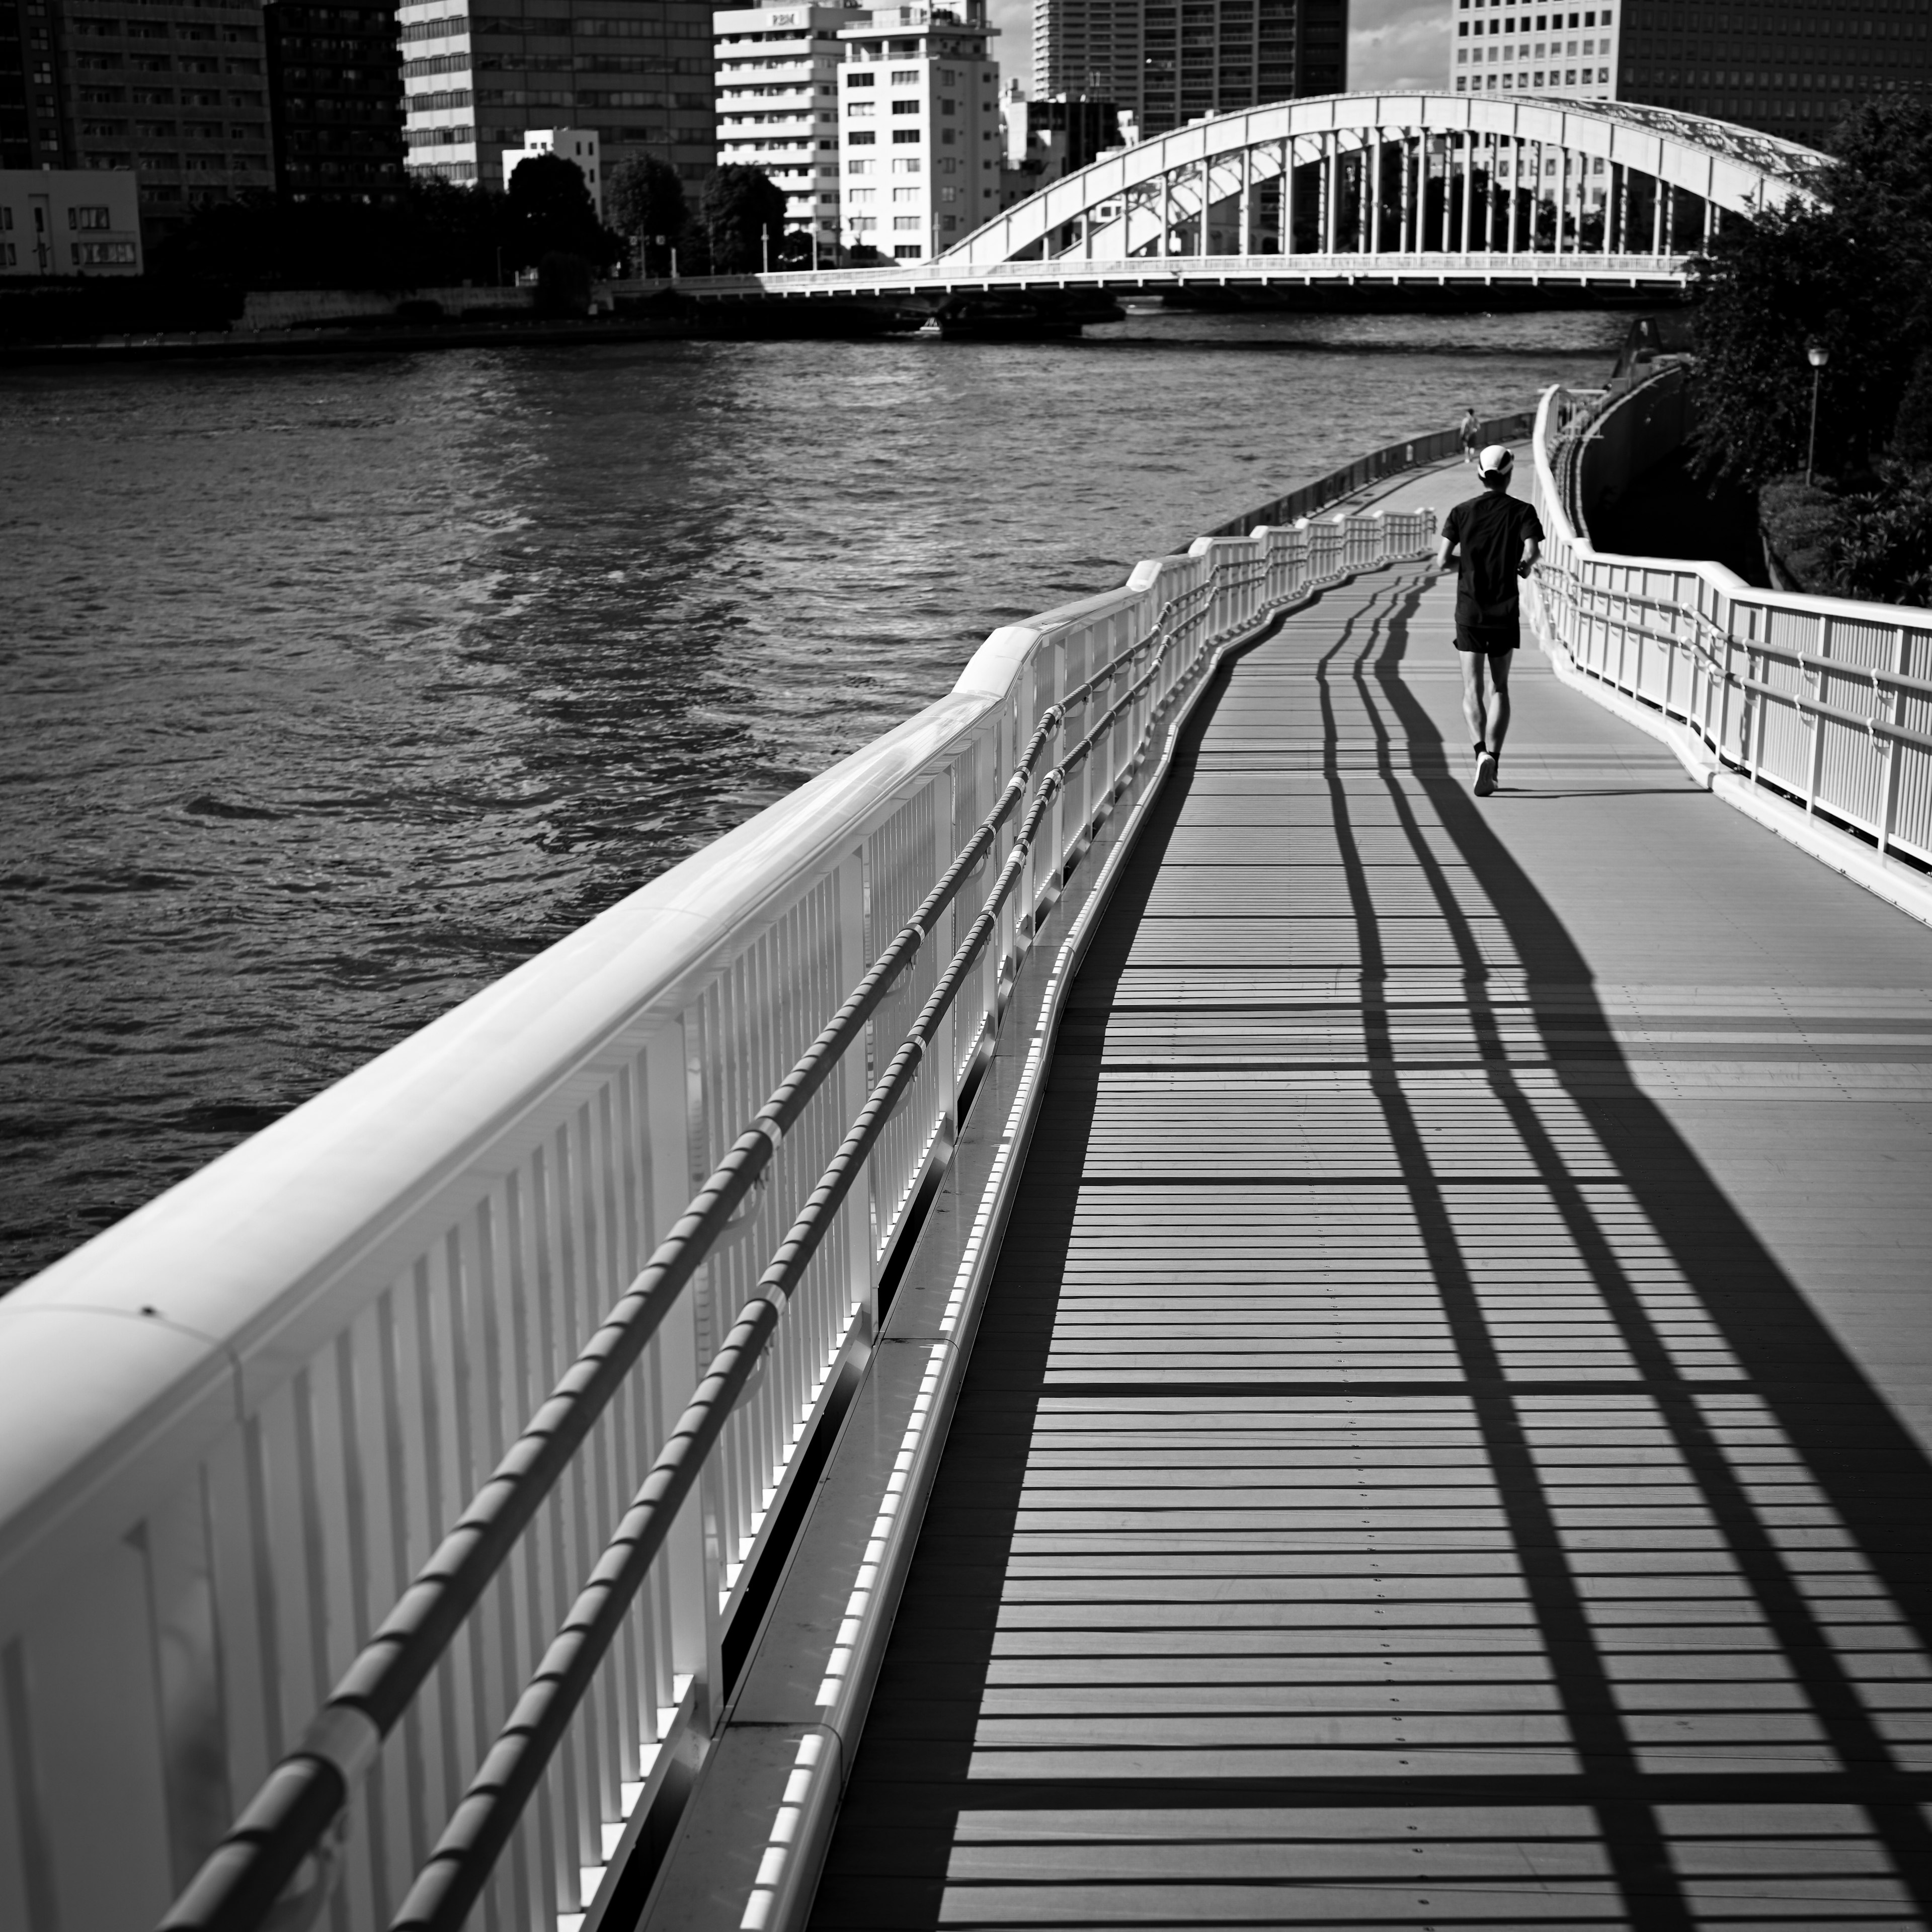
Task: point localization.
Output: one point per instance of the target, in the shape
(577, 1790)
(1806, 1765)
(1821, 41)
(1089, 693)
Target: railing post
(1815, 762)
(1892, 751)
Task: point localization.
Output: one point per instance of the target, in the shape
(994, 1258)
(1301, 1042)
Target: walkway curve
(1447, 1443)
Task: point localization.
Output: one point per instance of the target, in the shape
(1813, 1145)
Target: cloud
(1392, 43)
(1398, 43)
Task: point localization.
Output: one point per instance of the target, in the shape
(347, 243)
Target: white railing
(235, 1427)
(1823, 700)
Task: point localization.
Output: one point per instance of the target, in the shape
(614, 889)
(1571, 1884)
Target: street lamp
(1818, 354)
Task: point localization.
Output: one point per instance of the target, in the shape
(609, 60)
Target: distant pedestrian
(1469, 430)
(1496, 541)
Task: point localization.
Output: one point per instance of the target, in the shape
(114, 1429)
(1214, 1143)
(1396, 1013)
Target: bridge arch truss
(1405, 177)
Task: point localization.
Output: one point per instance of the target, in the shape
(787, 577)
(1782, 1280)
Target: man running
(1499, 541)
(1466, 430)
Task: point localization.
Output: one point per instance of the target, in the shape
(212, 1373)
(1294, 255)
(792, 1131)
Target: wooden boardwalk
(1448, 1444)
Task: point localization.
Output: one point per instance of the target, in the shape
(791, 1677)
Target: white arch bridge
(1361, 189)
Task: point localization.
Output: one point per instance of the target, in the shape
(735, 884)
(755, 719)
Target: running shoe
(1486, 774)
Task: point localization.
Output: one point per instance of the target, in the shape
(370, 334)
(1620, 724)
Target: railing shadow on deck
(1836, 1834)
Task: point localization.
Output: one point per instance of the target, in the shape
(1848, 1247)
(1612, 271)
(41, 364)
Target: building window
(863, 138)
(905, 77)
(87, 217)
(906, 254)
(103, 254)
(904, 137)
(858, 167)
(861, 79)
(862, 110)
(906, 106)
(905, 164)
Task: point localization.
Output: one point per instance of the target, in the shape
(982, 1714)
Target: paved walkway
(1448, 1445)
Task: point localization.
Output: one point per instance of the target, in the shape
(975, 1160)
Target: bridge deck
(1447, 1442)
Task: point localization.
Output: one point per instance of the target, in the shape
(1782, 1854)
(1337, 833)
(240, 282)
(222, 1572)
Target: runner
(1467, 429)
(1497, 540)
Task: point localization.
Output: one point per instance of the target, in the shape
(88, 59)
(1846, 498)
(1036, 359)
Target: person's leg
(1474, 696)
(1498, 717)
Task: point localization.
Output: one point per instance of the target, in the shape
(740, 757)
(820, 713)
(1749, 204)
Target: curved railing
(319, 1475)
(1822, 703)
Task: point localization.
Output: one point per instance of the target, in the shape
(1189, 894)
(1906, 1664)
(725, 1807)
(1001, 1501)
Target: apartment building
(776, 74)
(918, 128)
(335, 97)
(176, 92)
(478, 74)
(1501, 48)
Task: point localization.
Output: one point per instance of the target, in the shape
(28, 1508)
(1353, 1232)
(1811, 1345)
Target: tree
(1852, 274)
(551, 212)
(646, 200)
(742, 212)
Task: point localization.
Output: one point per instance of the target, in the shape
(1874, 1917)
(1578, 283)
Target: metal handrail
(293, 1810)
(455, 1873)
(294, 1806)
(290, 1816)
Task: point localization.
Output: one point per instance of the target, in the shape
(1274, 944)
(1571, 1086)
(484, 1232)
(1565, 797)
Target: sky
(1392, 43)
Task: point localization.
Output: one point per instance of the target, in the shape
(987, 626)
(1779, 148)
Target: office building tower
(1205, 57)
(919, 131)
(335, 95)
(637, 71)
(1789, 67)
(176, 90)
(1795, 70)
(777, 78)
(1505, 49)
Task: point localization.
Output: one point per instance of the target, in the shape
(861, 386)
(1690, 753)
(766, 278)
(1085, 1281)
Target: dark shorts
(1488, 639)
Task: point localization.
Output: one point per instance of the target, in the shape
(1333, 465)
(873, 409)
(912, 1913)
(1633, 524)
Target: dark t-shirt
(1489, 531)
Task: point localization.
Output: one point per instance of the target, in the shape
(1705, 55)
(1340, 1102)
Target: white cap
(1495, 461)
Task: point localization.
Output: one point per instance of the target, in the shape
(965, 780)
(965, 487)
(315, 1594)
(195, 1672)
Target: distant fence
(1391, 461)
(319, 1475)
(1823, 700)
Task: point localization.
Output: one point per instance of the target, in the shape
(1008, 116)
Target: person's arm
(1445, 543)
(1532, 555)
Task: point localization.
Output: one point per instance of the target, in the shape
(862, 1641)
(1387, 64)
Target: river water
(335, 688)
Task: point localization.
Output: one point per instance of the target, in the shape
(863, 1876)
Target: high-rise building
(919, 131)
(335, 93)
(777, 77)
(30, 129)
(1086, 47)
(1796, 70)
(638, 71)
(1167, 62)
(1790, 67)
(1508, 49)
(174, 90)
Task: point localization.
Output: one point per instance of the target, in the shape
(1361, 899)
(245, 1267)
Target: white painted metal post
(1661, 188)
(1207, 201)
(1375, 197)
(1890, 749)
(1166, 207)
(1245, 241)
(1331, 196)
(1406, 216)
(1468, 188)
(1288, 194)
